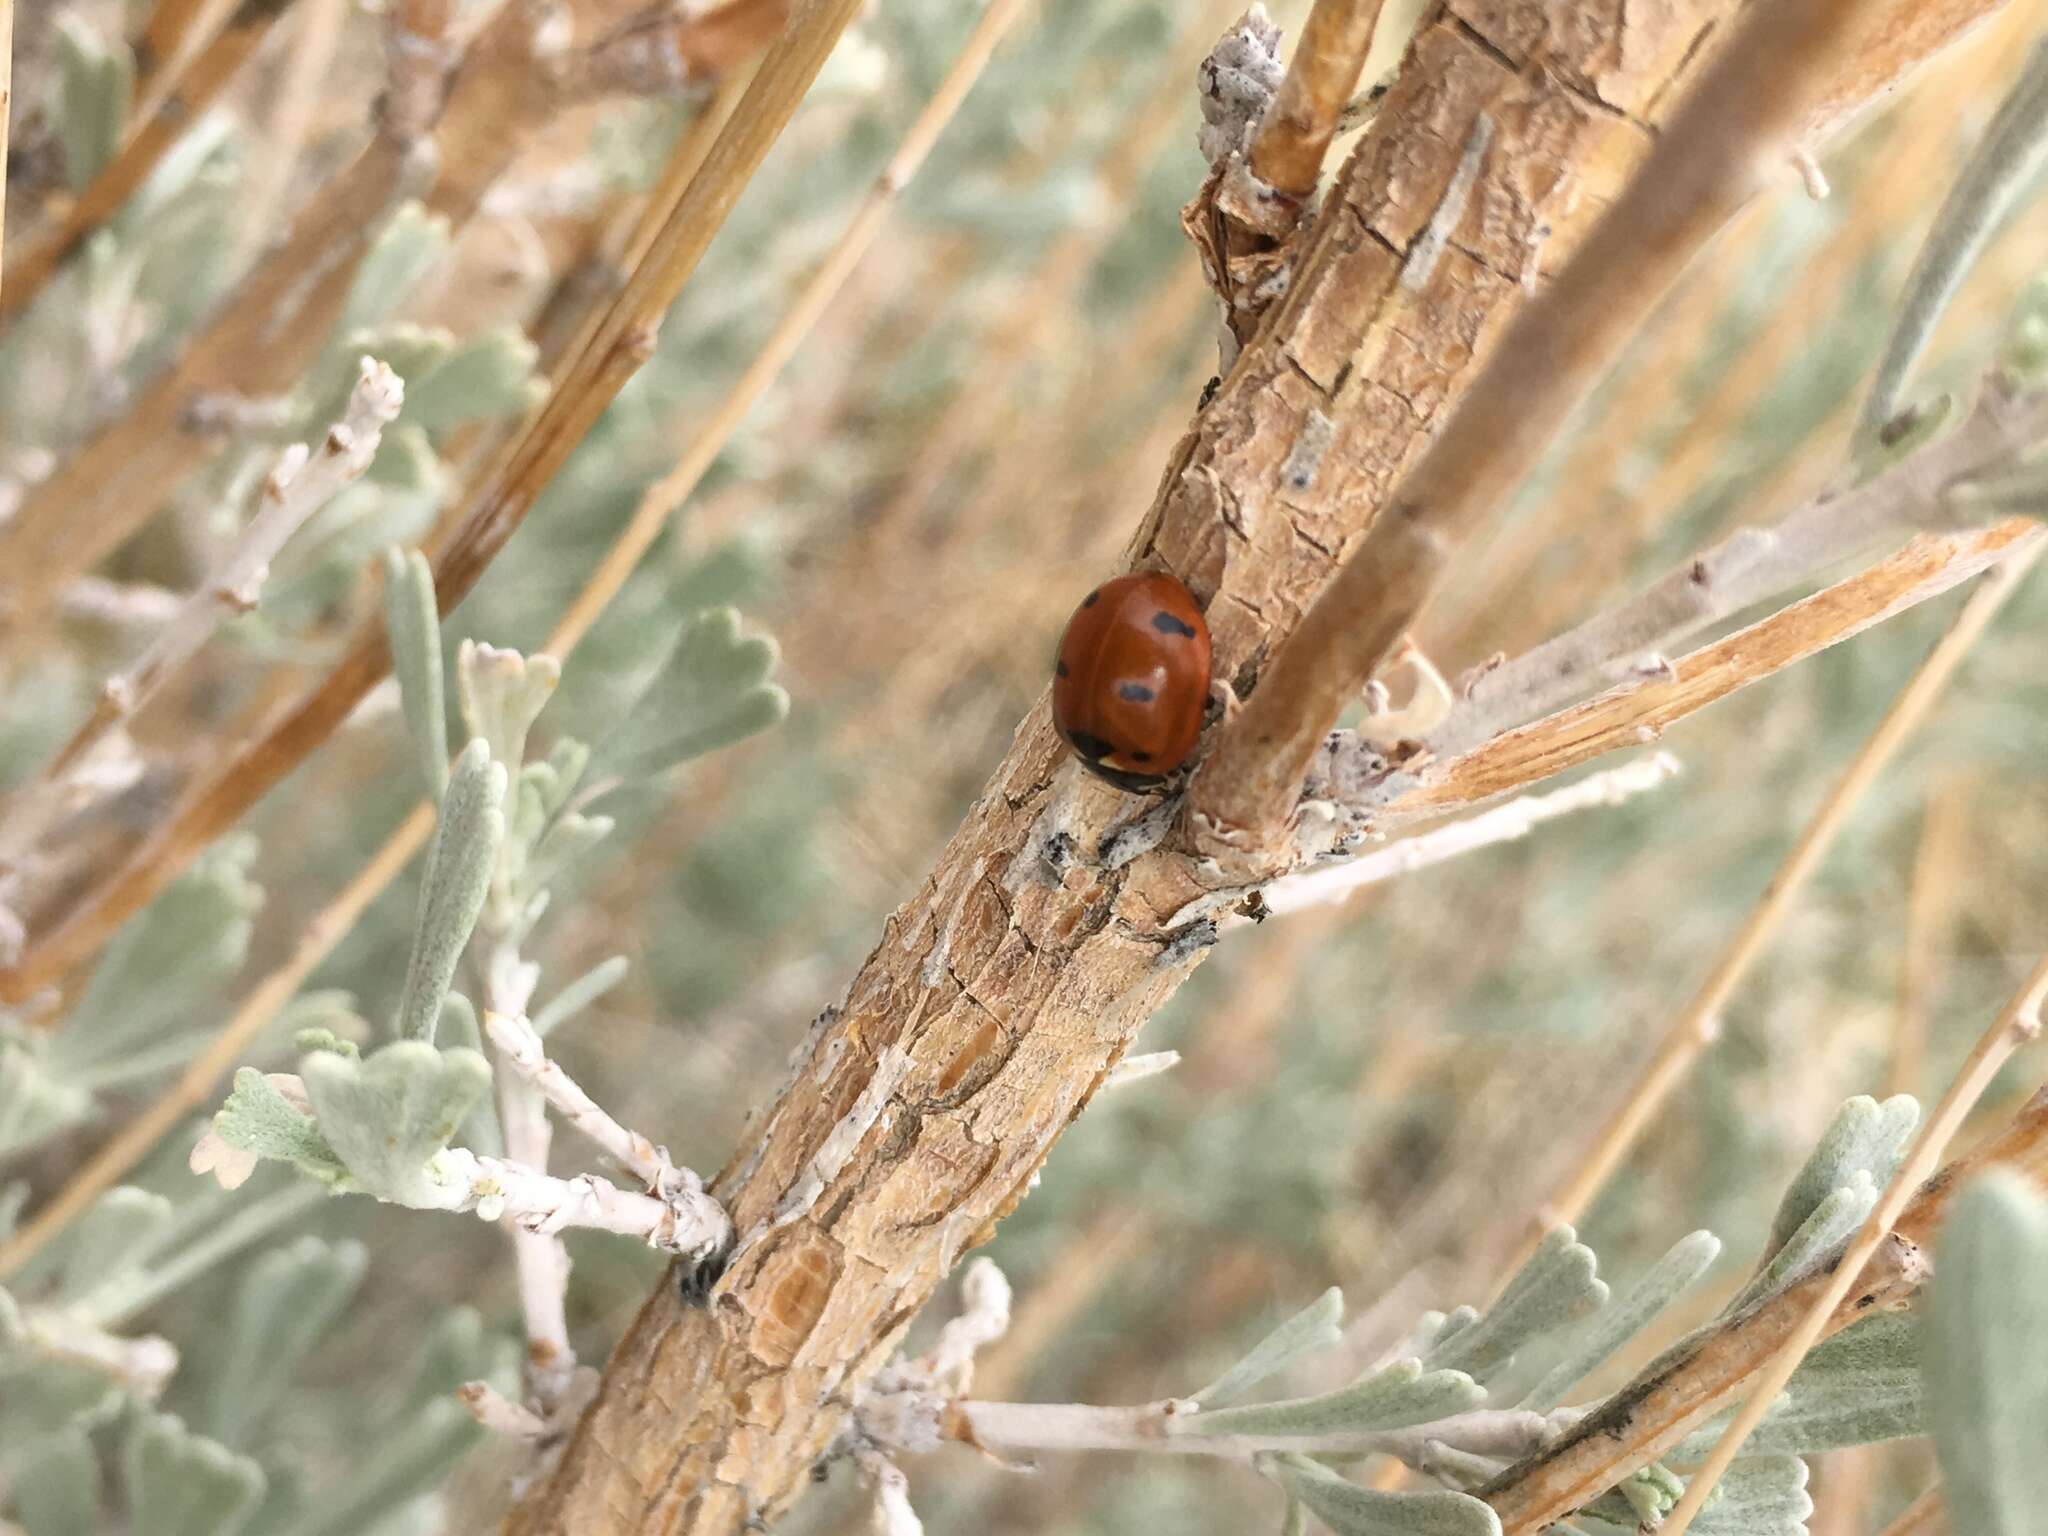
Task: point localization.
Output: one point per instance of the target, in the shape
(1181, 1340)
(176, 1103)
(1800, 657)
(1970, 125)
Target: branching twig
(1503, 823)
(1287, 151)
(1704, 166)
(1925, 1516)
(2019, 1024)
(1698, 1022)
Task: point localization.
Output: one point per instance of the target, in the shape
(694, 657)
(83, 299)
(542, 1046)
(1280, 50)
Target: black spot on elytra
(1061, 669)
(1167, 624)
(1089, 600)
(1090, 746)
(1137, 693)
(1141, 757)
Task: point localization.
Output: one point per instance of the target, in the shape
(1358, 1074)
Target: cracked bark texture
(1003, 991)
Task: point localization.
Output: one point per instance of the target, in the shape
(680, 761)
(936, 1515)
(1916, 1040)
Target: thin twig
(1640, 711)
(1322, 76)
(188, 91)
(174, 31)
(2000, 169)
(1698, 1022)
(519, 1047)
(1925, 1516)
(2018, 1025)
(1501, 824)
(1705, 164)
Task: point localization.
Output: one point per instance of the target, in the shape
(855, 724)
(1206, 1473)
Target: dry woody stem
(1288, 149)
(1741, 117)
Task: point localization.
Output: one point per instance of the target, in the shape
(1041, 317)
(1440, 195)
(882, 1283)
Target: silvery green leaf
(1393, 1398)
(120, 1231)
(405, 465)
(182, 1484)
(1614, 1325)
(188, 940)
(479, 1131)
(560, 773)
(458, 879)
(1987, 1358)
(1650, 1493)
(389, 1113)
(488, 376)
(309, 1040)
(1437, 1328)
(502, 693)
(459, 1348)
(328, 1010)
(286, 1300)
(411, 351)
(95, 81)
(711, 691)
(581, 993)
(1310, 1331)
(566, 841)
(258, 1118)
(1350, 1510)
(409, 246)
(1559, 1284)
(1293, 1521)
(1758, 1496)
(1865, 1136)
(1860, 1387)
(413, 1456)
(414, 624)
(56, 1485)
(34, 1105)
(1827, 1225)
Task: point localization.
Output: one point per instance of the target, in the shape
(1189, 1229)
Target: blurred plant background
(1378, 1095)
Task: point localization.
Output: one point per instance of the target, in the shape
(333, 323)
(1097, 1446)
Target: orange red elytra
(1132, 679)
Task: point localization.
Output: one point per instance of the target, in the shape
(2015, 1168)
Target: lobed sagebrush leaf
(286, 1300)
(1614, 1325)
(413, 621)
(387, 1114)
(1987, 1358)
(1393, 1398)
(183, 1484)
(466, 838)
(1558, 1285)
(711, 691)
(56, 1485)
(489, 375)
(1860, 1387)
(1758, 1496)
(1827, 1226)
(1350, 1510)
(412, 243)
(1311, 1330)
(258, 1118)
(1865, 1137)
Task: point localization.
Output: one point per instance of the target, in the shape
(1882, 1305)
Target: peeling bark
(1007, 989)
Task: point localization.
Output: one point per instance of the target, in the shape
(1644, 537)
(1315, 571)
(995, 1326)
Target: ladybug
(1132, 679)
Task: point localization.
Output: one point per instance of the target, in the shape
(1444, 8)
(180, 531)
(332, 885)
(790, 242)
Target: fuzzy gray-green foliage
(183, 1484)
(1558, 1285)
(470, 826)
(386, 1114)
(1349, 1510)
(1987, 1358)
(97, 79)
(414, 624)
(56, 1485)
(1309, 1332)
(1401, 1394)
(710, 690)
(286, 1300)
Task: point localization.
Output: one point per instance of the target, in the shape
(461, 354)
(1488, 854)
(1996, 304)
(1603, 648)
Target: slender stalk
(2003, 166)
(1698, 1023)
(1705, 165)
(1294, 136)
(1925, 1516)
(2018, 1025)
